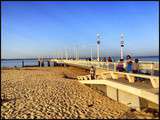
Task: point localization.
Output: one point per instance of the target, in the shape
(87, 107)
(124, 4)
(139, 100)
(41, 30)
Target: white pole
(66, 55)
(57, 54)
(77, 53)
(60, 54)
(98, 46)
(91, 54)
(121, 52)
(122, 45)
(97, 52)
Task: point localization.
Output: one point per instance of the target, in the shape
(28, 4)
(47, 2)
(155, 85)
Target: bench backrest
(136, 75)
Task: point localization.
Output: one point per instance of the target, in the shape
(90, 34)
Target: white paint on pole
(91, 54)
(75, 52)
(122, 45)
(66, 54)
(98, 47)
(121, 52)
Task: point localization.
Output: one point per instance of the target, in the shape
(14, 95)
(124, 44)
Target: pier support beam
(132, 101)
(112, 93)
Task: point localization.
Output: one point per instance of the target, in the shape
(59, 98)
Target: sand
(54, 93)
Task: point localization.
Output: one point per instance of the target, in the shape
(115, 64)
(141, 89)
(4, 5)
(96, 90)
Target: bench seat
(131, 77)
(85, 77)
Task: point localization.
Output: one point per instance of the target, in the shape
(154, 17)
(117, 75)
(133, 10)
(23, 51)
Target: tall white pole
(76, 54)
(91, 53)
(61, 54)
(122, 45)
(121, 52)
(98, 47)
(66, 54)
(57, 54)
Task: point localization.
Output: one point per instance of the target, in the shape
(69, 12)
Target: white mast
(91, 53)
(76, 52)
(66, 54)
(98, 47)
(122, 45)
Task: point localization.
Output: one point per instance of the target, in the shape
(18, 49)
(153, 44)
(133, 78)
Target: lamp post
(98, 47)
(77, 54)
(91, 54)
(122, 45)
(66, 54)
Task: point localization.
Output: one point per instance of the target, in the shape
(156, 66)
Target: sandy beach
(54, 93)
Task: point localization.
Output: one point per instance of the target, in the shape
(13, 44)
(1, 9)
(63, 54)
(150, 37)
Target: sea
(18, 62)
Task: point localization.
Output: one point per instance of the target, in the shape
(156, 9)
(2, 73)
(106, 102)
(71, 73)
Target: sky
(47, 29)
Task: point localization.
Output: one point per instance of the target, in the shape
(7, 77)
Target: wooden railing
(112, 65)
(143, 65)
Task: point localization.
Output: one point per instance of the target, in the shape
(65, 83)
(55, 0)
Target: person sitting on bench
(135, 66)
(120, 66)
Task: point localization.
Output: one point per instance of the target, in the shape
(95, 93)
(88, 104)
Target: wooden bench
(86, 77)
(105, 75)
(131, 77)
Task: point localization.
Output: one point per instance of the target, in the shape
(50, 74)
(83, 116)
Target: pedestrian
(135, 66)
(22, 63)
(109, 59)
(92, 73)
(129, 64)
(120, 66)
(48, 63)
(104, 59)
(42, 62)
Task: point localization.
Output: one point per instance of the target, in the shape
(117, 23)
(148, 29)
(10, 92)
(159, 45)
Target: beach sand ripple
(45, 93)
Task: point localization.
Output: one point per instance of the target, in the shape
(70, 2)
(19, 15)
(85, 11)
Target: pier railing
(111, 66)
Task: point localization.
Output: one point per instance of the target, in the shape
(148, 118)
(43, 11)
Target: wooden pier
(121, 86)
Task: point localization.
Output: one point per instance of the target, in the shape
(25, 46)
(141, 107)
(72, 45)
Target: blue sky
(36, 29)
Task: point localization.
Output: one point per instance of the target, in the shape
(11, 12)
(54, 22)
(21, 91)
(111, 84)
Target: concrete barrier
(133, 97)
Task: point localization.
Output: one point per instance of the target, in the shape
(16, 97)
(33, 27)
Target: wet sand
(54, 93)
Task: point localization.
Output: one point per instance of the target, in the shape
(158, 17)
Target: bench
(131, 77)
(86, 77)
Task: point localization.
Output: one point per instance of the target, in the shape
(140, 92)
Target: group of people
(130, 66)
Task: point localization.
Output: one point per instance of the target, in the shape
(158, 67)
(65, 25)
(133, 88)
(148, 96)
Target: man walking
(92, 73)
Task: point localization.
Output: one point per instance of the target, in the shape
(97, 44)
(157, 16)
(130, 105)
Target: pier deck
(133, 94)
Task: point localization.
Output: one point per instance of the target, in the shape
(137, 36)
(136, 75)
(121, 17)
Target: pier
(121, 86)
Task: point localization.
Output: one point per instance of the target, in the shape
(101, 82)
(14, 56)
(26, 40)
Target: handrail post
(107, 66)
(152, 70)
(114, 67)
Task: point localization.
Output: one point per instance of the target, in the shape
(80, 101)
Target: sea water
(18, 62)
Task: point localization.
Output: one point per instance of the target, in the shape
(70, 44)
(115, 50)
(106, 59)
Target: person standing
(104, 59)
(92, 73)
(48, 63)
(129, 64)
(135, 66)
(22, 63)
(109, 59)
